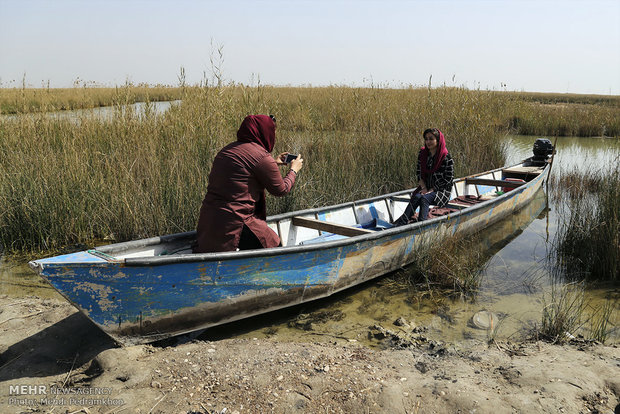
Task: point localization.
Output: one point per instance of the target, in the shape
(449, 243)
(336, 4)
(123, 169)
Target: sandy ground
(52, 359)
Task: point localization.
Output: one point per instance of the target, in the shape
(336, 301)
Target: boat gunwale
(277, 251)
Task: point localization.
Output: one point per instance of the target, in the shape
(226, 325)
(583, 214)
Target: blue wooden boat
(146, 290)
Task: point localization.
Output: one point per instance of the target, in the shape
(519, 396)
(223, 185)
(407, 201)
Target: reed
(563, 309)
(453, 265)
(130, 176)
(553, 98)
(587, 242)
(568, 314)
(565, 119)
(32, 100)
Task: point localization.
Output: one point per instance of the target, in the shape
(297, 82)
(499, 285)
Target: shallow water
(104, 112)
(17, 280)
(515, 282)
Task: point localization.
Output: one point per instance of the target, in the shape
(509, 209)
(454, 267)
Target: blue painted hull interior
(150, 289)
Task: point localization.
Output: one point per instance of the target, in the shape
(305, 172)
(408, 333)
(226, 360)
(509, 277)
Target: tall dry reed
(587, 241)
(565, 119)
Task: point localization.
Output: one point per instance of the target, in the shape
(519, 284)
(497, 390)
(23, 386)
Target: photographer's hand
(280, 159)
(297, 164)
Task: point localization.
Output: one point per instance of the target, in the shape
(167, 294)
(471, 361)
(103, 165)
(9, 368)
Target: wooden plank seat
(518, 172)
(326, 226)
(496, 183)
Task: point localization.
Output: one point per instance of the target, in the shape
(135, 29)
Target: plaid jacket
(440, 180)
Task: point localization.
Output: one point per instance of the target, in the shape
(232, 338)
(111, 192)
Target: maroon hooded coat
(240, 174)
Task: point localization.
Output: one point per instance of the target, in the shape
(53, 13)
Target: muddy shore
(53, 359)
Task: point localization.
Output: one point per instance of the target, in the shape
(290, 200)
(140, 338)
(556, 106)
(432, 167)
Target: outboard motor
(543, 149)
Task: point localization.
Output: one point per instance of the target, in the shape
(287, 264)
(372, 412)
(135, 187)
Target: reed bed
(442, 268)
(569, 313)
(563, 309)
(563, 114)
(138, 175)
(32, 100)
(552, 98)
(579, 120)
(587, 242)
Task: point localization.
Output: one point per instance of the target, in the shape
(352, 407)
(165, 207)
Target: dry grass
(566, 119)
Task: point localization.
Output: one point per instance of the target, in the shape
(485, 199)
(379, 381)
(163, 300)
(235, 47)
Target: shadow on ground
(55, 350)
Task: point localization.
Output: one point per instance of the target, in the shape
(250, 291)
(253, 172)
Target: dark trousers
(248, 241)
(418, 200)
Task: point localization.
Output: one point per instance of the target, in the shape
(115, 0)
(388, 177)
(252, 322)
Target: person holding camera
(233, 212)
(435, 172)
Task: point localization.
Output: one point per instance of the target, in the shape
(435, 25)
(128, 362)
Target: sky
(568, 46)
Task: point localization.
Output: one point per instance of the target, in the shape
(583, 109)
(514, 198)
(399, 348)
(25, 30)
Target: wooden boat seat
(456, 206)
(330, 227)
(525, 173)
(496, 183)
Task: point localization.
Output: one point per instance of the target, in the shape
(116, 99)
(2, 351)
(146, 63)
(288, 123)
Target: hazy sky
(538, 45)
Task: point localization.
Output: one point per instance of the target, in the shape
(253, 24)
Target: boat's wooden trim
(329, 227)
(497, 183)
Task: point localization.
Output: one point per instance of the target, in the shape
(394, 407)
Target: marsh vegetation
(588, 241)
